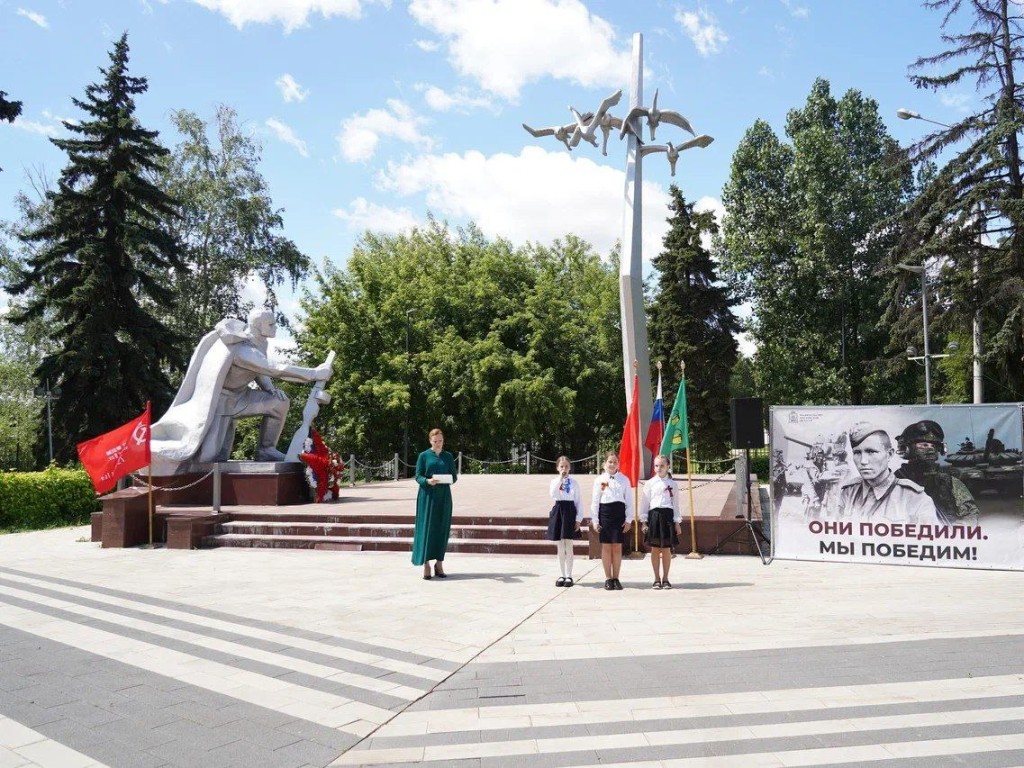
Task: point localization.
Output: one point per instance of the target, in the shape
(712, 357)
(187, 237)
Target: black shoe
(560, 581)
(666, 584)
(609, 584)
(426, 577)
(656, 585)
(618, 584)
(440, 573)
(568, 581)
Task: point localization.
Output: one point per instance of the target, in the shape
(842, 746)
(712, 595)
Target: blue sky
(373, 112)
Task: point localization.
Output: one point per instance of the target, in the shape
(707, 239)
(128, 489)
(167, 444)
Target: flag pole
(694, 554)
(639, 473)
(149, 474)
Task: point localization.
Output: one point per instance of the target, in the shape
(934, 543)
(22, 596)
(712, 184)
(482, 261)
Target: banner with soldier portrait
(938, 485)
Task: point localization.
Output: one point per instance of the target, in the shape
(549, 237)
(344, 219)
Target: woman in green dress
(433, 506)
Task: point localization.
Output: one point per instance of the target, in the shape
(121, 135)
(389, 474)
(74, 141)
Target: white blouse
(616, 488)
(568, 489)
(660, 493)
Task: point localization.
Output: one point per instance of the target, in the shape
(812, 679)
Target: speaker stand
(756, 535)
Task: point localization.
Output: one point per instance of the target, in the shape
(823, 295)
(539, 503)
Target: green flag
(677, 430)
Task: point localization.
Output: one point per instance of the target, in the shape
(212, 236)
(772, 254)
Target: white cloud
(795, 10)
(765, 72)
(713, 204)
(360, 134)
(505, 44)
(703, 30)
(287, 135)
(534, 196)
(290, 14)
(362, 215)
(36, 18)
(957, 101)
(461, 100)
(428, 45)
(51, 126)
(290, 89)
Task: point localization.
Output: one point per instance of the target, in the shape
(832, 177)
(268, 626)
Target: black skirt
(611, 518)
(661, 530)
(562, 523)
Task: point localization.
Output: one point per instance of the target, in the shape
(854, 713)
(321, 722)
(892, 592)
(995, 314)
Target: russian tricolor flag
(656, 431)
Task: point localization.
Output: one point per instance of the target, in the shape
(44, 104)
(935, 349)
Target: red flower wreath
(323, 467)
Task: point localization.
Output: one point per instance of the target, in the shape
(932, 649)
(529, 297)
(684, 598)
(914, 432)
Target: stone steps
(279, 528)
(375, 530)
(504, 546)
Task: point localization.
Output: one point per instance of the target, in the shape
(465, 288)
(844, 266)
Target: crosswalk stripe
(834, 755)
(19, 743)
(225, 646)
(326, 709)
(699, 705)
(678, 737)
(428, 674)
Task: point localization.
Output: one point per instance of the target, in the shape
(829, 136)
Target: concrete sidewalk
(287, 658)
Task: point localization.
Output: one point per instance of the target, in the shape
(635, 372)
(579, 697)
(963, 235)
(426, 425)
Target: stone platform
(494, 514)
(242, 482)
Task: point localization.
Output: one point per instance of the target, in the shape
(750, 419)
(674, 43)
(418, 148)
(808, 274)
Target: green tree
(9, 110)
(228, 229)
(802, 242)
(93, 278)
(979, 190)
(507, 347)
(691, 320)
(22, 423)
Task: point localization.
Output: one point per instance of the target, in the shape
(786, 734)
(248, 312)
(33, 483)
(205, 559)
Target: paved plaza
(315, 658)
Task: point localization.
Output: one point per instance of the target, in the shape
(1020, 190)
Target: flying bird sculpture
(569, 134)
(655, 117)
(672, 151)
(600, 119)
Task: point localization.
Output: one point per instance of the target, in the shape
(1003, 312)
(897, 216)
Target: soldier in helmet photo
(921, 444)
(878, 494)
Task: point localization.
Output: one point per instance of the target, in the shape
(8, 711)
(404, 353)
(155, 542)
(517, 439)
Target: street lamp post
(924, 314)
(408, 381)
(979, 395)
(49, 395)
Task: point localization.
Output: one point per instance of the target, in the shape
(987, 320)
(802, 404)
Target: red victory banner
(630, 452)
(110, 457)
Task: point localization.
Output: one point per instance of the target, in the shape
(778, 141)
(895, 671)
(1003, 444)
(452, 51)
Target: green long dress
(433, 507)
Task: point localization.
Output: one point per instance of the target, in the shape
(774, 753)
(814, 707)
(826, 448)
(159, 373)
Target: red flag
(630, 454)
(110, 457)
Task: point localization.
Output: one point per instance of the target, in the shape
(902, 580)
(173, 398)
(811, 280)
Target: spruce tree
(691, 320)
(967, 224)
(96, 276)
(9, 110)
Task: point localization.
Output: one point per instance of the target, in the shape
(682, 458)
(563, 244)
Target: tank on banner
(881, 484)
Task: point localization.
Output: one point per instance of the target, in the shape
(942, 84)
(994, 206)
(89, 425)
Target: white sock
(567, 571)
(561, 556)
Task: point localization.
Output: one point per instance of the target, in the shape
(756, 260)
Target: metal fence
(367, 469)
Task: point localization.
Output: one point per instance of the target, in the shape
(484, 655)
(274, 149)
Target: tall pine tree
(95, 277)
(691, 320)
(967, 224)
(9, 110)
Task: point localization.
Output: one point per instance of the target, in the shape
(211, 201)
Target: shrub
(53, 497)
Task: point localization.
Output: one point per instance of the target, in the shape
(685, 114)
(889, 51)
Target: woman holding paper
(435, 473)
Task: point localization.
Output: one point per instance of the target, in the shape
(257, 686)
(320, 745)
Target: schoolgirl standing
(611, 510)
(661, 519)
(566, 516)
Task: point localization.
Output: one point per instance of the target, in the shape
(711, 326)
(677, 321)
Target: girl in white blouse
(565, 519)
(611, 511)
(661, 519)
